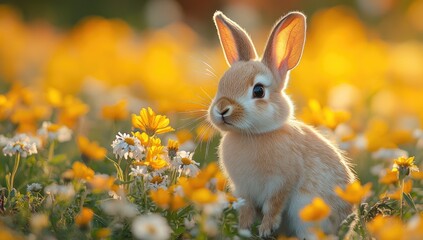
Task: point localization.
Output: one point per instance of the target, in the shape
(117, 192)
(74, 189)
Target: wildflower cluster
(168, 178)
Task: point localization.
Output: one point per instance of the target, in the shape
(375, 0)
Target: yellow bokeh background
(363, 59)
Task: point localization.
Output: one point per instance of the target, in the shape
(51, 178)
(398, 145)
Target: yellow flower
(154, 159)
(389, 178)
(286, 238)
(404, 166)
(408, 185)
(208, 172)
(386, 228)
(54, 97)
(6, 107)
(221, 181)
(91, 150)
(146, 140)
(143, 137)
(8, 234)
(115, 112)
(151, 123)
(317, 115)
(203, 196)
(185, 183)
(103, 233)
(38, 222)
(27, 117)
(183, 136)
(415, 227)
(156, 142)
(417, 175)
(101, 182)
(177, 202)
(68, 175)
(191, 185)
(158, 163)
(71, 110)
(354, 192)
(230, 198)
(317, 210)
(84, 217)
(172, 148)
(81, 171)
(161, 197)
(378, 135)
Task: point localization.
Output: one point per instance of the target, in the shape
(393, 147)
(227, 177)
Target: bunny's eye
(258, 91)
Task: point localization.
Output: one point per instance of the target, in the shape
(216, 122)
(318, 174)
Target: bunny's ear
(236, 44)
(286, 42)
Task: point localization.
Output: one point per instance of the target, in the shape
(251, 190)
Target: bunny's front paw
(268, 225)
(265, 230)
(247, 214)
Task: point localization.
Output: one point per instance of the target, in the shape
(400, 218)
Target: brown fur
(277, 164)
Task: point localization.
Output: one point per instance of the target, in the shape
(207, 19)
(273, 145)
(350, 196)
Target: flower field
(104, 134)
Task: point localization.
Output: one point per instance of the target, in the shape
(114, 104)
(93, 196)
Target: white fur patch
(258, 120)
(263, 79)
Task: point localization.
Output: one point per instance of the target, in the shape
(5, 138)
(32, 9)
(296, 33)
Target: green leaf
(58, 159)
(119, 182)
(118, 169)
(410, 201)
(184, 211)
(346, 226)
(179, 231)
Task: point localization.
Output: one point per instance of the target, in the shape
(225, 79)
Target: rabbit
(273, 161)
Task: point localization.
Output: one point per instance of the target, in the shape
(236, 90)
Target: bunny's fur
(276, 163)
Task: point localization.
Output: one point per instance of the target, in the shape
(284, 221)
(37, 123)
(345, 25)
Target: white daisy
(245, 233)
(39, 221)
(125, 146)
(63, 192)
(238, 203)
(156, 180)
(185, 164)
(121, 208)
(389, 153)
(3, 140)
(139, 171)
(34, 187)
(211, 227)
(418, 135)
(53, 131)
(216, 208)
(21, 144)
(151, 227)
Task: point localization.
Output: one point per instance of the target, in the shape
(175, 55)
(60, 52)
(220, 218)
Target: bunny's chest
(253, 169)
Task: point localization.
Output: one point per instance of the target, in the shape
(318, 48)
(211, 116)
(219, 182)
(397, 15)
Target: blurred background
(360, 78)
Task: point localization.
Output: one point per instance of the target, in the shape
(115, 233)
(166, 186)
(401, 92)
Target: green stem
(47, 168)
(401, 197)
(51, 151)
(83, 197)
(126, 173)
(364, 232)
(15, 169)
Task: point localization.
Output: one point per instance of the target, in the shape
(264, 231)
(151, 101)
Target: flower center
(150, 131)
(130, 141)
(151, 229)
(18, 144)
(53, 127)
(186, 161)
(156, 179)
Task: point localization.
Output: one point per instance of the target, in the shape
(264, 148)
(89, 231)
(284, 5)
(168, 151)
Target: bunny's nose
(225, 112)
